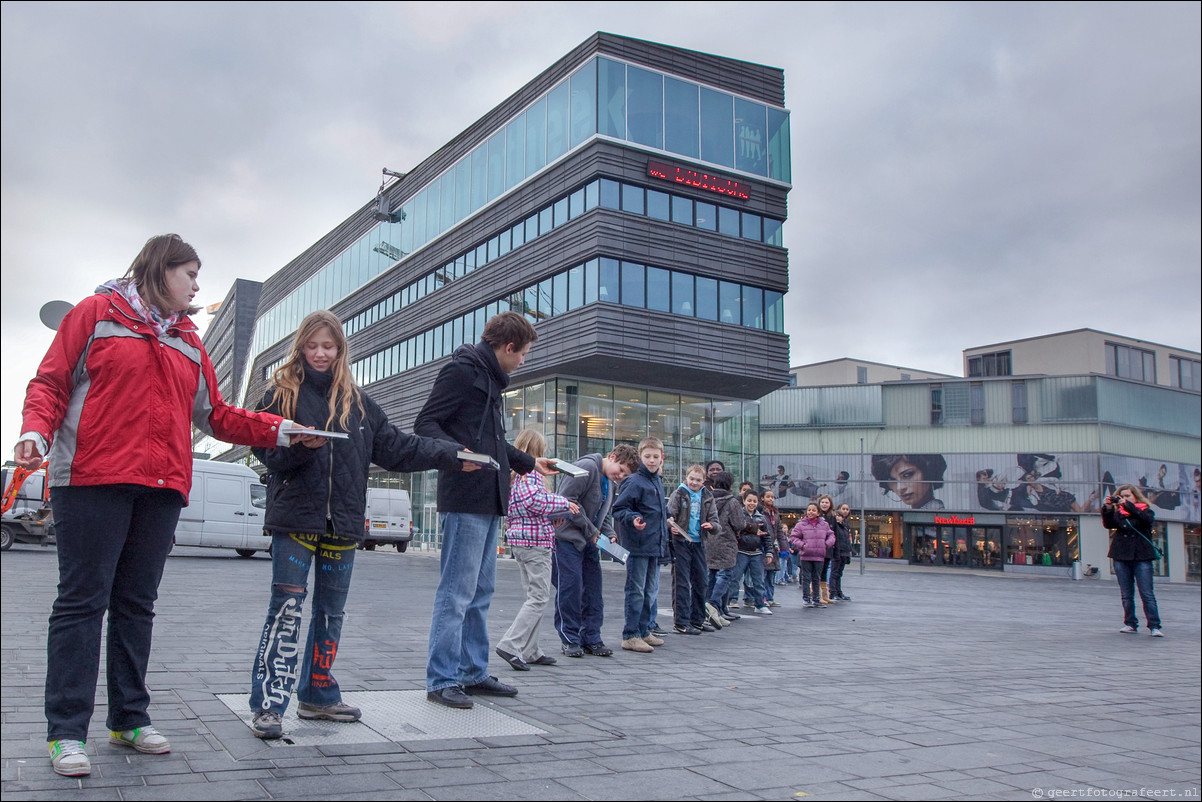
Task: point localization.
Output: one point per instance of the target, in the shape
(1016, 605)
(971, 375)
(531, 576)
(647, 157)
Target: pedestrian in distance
(115, 399)
(464, 408)
(531, 535)
(1130, 519)
(316, 497)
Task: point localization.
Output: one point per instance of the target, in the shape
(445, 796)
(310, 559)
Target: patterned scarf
(149, 314)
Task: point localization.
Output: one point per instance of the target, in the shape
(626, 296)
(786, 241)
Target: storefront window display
(884, 535)
(1042, 541)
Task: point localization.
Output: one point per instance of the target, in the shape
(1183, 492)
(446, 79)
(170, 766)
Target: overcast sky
(962, 174)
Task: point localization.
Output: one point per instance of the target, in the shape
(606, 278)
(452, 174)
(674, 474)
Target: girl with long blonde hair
(316, 495)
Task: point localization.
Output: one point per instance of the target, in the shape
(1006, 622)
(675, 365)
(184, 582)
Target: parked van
(225, 509)
(29, 520)
(388, 518)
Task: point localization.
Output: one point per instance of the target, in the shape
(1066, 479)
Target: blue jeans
(579, 606)
(751, 565)
(721, 581)
(113, 541)
(770, 584)
(274, 676)
(458, 653)
(1130, 573)
(642, 579)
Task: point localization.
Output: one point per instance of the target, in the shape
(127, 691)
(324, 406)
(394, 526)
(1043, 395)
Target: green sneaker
(69, 758)
(145, 739)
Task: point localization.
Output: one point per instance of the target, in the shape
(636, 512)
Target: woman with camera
(1129, 517)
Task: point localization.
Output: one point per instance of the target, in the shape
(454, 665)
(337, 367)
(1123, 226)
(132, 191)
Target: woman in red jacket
(115, 399)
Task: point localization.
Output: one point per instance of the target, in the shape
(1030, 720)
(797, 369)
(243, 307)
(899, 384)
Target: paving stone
(982, 706)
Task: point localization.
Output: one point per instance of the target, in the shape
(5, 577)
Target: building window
(1185, 373)
(936, 404)
(861, 374)
(976, 404)
(996, 364)
(1018, 402)
(1130, 363)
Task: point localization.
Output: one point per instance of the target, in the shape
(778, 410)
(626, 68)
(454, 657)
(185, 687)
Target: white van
(388, 518)
(225, 509)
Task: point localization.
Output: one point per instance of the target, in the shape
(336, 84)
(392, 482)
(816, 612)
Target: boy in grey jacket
(576, 561)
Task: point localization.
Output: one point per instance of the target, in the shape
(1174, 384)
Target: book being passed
(619, 553)
(568, 468)
(480, 459)
(318, 433)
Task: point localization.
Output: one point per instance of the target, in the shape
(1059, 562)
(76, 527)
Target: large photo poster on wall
(1028, 482)
(1172, 487)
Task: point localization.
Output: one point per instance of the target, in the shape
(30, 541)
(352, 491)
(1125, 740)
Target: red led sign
(955, 520)
(697, 179)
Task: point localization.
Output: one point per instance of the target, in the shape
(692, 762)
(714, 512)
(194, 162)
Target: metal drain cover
(391, 716)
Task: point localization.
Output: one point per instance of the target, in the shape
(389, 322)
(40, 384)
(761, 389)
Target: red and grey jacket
(116, 404)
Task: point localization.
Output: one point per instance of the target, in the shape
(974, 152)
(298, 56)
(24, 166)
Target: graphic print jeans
(275, 673)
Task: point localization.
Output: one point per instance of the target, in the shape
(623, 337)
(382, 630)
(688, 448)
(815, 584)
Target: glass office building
(629, 201)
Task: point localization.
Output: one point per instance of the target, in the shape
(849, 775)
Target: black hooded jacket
(308, 486)
(464, 407)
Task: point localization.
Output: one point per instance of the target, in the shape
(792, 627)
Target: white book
(568, 468)
(479, 459)
(318, 433)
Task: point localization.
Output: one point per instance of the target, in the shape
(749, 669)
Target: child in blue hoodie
(641, 519)
(692, 514)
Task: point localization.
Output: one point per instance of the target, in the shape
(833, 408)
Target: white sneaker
(1156, 633)
(145, 739)
(69, 759)
(1128, 630)
(763, 610)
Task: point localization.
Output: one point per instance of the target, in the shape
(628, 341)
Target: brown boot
(825, 592)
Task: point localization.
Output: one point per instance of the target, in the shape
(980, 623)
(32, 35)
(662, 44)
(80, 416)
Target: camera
(1115, 500)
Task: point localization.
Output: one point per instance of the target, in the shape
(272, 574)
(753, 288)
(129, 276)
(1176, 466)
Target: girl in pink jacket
(810, 539)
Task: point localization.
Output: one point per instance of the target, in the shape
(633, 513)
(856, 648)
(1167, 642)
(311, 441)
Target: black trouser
(835, 584)
(113, 541)
(690, 579)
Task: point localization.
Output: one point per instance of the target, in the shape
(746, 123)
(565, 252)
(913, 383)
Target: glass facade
(603, 97)
(601, 280)
(579, 417)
